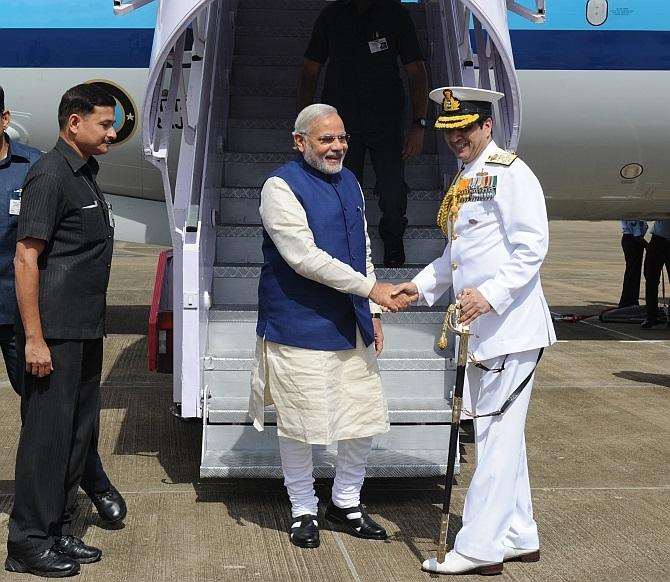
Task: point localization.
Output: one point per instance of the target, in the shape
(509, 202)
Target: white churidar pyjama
(498, 511)
(296, 459)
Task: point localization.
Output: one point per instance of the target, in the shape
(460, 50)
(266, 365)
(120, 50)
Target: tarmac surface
(598, 436)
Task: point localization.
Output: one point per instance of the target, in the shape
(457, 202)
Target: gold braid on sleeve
(448, 212)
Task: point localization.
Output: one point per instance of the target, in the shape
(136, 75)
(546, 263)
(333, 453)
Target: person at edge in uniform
(317, 338)
(658, 254)
(62, 265)
(495, 221)
(361, 40)
(15, 161)
(633, 245)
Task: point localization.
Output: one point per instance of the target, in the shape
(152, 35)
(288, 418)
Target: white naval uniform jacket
(500, 245)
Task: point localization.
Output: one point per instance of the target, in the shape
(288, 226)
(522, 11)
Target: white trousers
(296, 460)
(498, 511)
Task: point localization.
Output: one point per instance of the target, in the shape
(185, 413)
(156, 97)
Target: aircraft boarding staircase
(234, 66)
(270, 38)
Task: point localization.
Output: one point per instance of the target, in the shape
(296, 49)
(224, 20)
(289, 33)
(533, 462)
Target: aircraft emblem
(126, 112)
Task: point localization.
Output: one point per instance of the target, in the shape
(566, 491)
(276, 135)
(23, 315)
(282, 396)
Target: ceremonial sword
(463, 331)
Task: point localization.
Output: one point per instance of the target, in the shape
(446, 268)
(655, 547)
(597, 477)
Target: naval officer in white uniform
(495, 221)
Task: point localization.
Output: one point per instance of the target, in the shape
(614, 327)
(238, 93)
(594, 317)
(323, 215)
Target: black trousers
(633, 252)
(385, 145)
(658, 254)
(94, 479)
(60, 419)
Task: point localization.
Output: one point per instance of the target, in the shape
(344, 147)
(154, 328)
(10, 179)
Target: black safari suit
(61, 205)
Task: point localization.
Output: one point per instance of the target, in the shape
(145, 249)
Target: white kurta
(502, 239)
(320, 396)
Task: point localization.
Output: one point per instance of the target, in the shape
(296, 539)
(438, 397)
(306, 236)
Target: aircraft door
(490, 41)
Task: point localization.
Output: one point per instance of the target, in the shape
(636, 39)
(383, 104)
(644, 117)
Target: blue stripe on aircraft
(73, 14)
(533, 49)
(634, 50)
(76, 47)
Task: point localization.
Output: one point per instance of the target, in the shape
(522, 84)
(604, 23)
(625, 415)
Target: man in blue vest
(318, 338)
(15, 161)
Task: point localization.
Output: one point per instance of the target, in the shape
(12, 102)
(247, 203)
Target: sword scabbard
(442, 542)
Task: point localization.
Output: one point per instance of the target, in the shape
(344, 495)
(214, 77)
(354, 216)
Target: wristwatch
(376, 315)
(420, 121)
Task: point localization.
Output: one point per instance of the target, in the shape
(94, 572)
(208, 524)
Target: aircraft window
(596, 12)
(631, 171)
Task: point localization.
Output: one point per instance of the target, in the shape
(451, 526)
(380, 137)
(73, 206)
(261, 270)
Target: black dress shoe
(110, 505)
(356, 521)
(76, 549)
(48, 564)
(304, 531)
(394, 254)
(649, 323)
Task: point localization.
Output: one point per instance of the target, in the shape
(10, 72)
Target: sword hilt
(451, 323)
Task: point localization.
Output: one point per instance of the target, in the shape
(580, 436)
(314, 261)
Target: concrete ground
(598, 435)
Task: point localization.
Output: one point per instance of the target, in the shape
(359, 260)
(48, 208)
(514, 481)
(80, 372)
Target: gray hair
(309, 114)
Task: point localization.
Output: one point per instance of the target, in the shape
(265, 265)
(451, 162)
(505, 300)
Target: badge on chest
(15, 205)
(378, 44)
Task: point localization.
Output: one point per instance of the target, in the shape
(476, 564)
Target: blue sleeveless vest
(299, 312)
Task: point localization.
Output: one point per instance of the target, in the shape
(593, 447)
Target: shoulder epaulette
(502, 158)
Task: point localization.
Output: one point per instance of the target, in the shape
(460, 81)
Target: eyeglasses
(329, 139)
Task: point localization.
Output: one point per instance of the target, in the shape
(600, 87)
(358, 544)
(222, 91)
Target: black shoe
(394, 253)
(649, 323)
(110, 505)
(362, 527)
(77, 550)
(304, 531)
(48, 564)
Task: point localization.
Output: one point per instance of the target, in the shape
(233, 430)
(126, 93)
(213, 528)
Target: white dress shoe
(455, 563)
(521, 555)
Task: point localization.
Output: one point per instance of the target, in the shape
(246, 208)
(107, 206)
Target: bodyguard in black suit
(62, 266)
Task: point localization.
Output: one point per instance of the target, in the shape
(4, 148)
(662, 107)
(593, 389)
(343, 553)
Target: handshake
(394, 297)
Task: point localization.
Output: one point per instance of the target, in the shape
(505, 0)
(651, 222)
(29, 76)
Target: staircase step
(242, 244)
(266, 16)
(389, 360)
(252, 169)
(239, 283)
(273, 134)
(401, 411)
(381, 463)
(283, 4)
(434, 195)
(434, 376)
(247, 74)
(268, 60)
(244, 211)
(417, 328)
(405, 437)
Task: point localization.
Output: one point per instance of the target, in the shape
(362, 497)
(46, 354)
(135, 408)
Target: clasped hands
(399, 297)
(394, 297)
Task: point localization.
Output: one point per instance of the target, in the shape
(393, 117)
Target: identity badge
(378, 45)
(111, 215)
(14, 207)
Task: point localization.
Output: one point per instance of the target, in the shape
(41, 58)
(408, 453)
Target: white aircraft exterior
(51, 46)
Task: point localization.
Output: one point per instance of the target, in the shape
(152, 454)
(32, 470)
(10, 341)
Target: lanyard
(513, 396)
